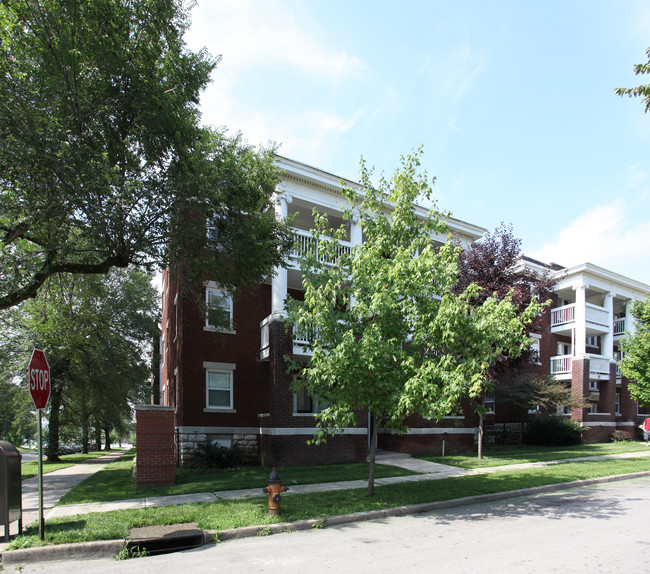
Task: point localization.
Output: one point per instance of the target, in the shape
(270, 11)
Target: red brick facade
(156, 459)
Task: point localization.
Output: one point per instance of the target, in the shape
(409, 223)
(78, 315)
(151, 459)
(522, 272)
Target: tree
(528, 391)
(643, 90)
(635, 364)
(101, 150)
(388, 335)
(491, 263)
(94, 331)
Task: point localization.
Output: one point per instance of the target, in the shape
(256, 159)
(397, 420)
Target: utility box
(11, 488)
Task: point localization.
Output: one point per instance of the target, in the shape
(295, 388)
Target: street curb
(78, 551)
(110, 548)
(316, 523)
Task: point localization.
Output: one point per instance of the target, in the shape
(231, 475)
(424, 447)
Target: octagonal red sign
(39, 379)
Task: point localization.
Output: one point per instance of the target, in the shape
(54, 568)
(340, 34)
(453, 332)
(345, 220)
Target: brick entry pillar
(155, 460)
(579, 384)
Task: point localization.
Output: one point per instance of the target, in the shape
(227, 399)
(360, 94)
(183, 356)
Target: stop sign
(39, 379)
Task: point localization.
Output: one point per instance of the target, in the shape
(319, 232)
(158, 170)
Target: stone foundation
(188, 441)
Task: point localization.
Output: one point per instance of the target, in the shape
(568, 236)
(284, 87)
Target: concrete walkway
(56, 484)
(427, 470)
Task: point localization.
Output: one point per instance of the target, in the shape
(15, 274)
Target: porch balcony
(303, 242)
(619, 328)
(598, 367)
(301, 340)
(563, 319)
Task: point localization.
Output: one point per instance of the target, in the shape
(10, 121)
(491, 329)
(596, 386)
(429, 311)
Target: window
(489, 404)
(303, 404)
(219, 389)
(593, 341)
(219, 310)
(535, 341)
(618, 403)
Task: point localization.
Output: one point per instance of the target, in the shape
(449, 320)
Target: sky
(513, 103)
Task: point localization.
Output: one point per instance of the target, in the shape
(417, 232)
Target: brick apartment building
(232, 386)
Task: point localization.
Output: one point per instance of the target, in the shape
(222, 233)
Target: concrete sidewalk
(427, 471)
(56, 484)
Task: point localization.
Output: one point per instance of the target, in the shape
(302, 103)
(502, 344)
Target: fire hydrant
(274, 489)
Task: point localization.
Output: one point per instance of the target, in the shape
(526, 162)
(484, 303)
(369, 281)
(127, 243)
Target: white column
(580, 340)
(280, 280)
(607, 347)
(356, 233)
(630, 325)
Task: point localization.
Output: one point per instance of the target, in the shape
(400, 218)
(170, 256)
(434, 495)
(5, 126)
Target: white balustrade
(562, 315)
(619, 326)
(304, 242)
(597, 315)
(561, 364)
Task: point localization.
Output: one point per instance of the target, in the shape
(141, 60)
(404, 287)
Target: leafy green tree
(388, 335)
(643, 90)
(492, 264)
(103, 162)
(635, 364)
(94, 331)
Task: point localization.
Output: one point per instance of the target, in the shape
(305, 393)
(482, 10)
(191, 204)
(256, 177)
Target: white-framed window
(593, 341)
(489, 404)
(535, 344)
(304, 404)
(562, 410)
(219, 309)
(593, 408)
(219, 386)
(593, 386)
(617, 403)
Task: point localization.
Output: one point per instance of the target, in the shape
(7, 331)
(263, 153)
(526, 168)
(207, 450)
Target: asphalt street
(593, 529)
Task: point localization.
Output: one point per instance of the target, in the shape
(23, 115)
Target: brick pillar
(607, 402)
(579, 384)
(155, 461)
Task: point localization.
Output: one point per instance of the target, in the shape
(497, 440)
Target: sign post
(39, 388)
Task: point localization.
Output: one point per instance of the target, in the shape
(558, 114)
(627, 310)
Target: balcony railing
(561, 364)
(303, 242)
(597, 315)
(619, 326)
(593, 314)
(562, 315)
(598, 365)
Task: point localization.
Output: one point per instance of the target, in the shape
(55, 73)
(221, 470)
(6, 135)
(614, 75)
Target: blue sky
(513, 102)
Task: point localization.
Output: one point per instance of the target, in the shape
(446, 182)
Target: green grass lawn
(238, 513)
(30, 469)
(116, 481)
(499, 456)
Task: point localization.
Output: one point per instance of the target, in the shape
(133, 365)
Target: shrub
(620, 436)
(553, 431)
(210, 454)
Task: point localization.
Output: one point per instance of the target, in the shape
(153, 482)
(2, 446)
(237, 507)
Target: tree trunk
(373, 450)
(53, 424)
(107, 443)
(85, 424)
(98, 438)
(481, 426)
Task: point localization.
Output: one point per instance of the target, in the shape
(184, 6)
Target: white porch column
(279, 280)
(580, 339)
(630, 325)
(356, 233)
(607, 349)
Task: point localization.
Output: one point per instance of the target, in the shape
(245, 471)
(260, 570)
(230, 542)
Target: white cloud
(257, 39)
(605, 236)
